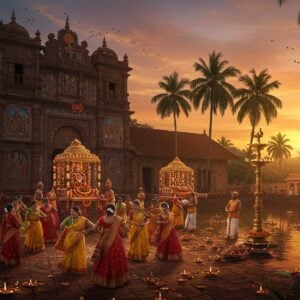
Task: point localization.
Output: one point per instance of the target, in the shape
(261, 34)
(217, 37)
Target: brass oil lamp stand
(257, 237)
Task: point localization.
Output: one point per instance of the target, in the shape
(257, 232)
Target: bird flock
(102, 32)
(291, 49)
(95, 33)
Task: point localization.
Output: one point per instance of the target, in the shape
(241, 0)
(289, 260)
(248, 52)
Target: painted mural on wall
(18, 169)
(18, 122)
(113, 131)
(114, 169)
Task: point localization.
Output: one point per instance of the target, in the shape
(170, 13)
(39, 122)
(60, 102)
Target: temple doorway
(148, 180)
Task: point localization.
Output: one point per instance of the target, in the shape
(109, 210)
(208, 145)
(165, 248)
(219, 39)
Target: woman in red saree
(10, 253)
(110, 262)
(168, 245)
(50, 222)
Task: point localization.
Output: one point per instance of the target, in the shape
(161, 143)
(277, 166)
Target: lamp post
(258, 236)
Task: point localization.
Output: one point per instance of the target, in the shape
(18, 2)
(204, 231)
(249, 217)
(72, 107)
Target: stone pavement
(237, 280)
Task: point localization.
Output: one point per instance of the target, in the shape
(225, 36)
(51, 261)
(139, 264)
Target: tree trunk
(208, 176)
(251, 138)
(176, 137)
(250, 154)
(280, 167)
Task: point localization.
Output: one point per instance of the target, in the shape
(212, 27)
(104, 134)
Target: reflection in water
(280, 219)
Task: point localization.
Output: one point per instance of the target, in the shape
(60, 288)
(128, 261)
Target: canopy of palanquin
(176, 178)
(77, 152)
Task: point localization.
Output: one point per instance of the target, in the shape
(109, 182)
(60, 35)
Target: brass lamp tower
(258, 236)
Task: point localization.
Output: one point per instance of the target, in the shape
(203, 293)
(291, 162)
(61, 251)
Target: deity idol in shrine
(109, 194)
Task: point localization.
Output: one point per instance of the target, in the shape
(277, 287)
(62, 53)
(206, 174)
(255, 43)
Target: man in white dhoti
(190, 220)
(233, 209)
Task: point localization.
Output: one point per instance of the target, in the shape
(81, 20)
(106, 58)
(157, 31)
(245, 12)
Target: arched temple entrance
(60, 139)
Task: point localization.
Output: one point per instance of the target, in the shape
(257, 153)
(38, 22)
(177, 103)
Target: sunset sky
(162, 36)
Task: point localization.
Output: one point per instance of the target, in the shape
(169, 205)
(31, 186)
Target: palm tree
(211, 91)
(255, 101)
(174, 99)
(223, 141)
(278, 148)
(280, 2)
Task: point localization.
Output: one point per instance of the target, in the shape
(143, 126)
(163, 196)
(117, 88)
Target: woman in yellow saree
(138, 234)
(34, 239)
(72, 243)
(178, 212)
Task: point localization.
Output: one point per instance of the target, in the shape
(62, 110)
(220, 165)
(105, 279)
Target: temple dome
(104, 53)
(16, 28)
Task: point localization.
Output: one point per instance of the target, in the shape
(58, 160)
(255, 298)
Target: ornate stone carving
(113, 131)
(65, 135)
(48, 85)
(18, 122)
(69, 85)
(114, 169)
(18, 169)
(68, 113)
(90, 92)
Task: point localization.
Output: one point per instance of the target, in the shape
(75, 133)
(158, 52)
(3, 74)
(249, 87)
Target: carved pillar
(37, 75)
(37, 123)
(2, 110)
(36, 167)
(100, 131)
(1, 70)
(126, 131)
(2, 161)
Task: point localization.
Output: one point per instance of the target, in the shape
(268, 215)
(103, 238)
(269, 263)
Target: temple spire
(104, 43)
(67, 27)
(13, 16)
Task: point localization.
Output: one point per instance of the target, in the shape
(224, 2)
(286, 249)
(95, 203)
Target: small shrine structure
(77, 175)
(176, 179)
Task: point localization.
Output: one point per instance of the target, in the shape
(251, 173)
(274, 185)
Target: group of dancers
(144, 227)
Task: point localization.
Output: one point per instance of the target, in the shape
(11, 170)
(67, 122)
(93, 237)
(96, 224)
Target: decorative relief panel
(114, 169)
(18, 169)
(48, 85)
(18, 122)
(69, 85)
(90, 92)
(113, 131)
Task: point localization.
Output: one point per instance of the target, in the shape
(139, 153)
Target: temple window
(19, 74)
(111, 90)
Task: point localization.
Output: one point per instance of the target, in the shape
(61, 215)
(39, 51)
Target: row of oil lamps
(12, 290)
(184, 276)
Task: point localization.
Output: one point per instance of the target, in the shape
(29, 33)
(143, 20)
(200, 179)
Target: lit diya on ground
(30, 284)
(6, 291)
(261, 291)
(159, 297)
(186, 275)
(181, 280)
(211, 272)
(198, 260)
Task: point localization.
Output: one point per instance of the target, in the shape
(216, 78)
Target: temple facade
(54, 93)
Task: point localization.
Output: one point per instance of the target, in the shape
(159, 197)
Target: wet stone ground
(236, 280)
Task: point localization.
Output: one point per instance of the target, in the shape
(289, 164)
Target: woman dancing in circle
(110, 262)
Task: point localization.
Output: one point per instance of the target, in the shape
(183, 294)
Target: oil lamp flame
(4, 286)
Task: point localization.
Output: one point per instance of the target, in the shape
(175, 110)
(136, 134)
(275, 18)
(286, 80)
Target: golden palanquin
(77, 174)
(176, 179)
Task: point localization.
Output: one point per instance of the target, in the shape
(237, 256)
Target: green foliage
(135, 123)
(254, 101)
(223, 141)
(174, 100)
